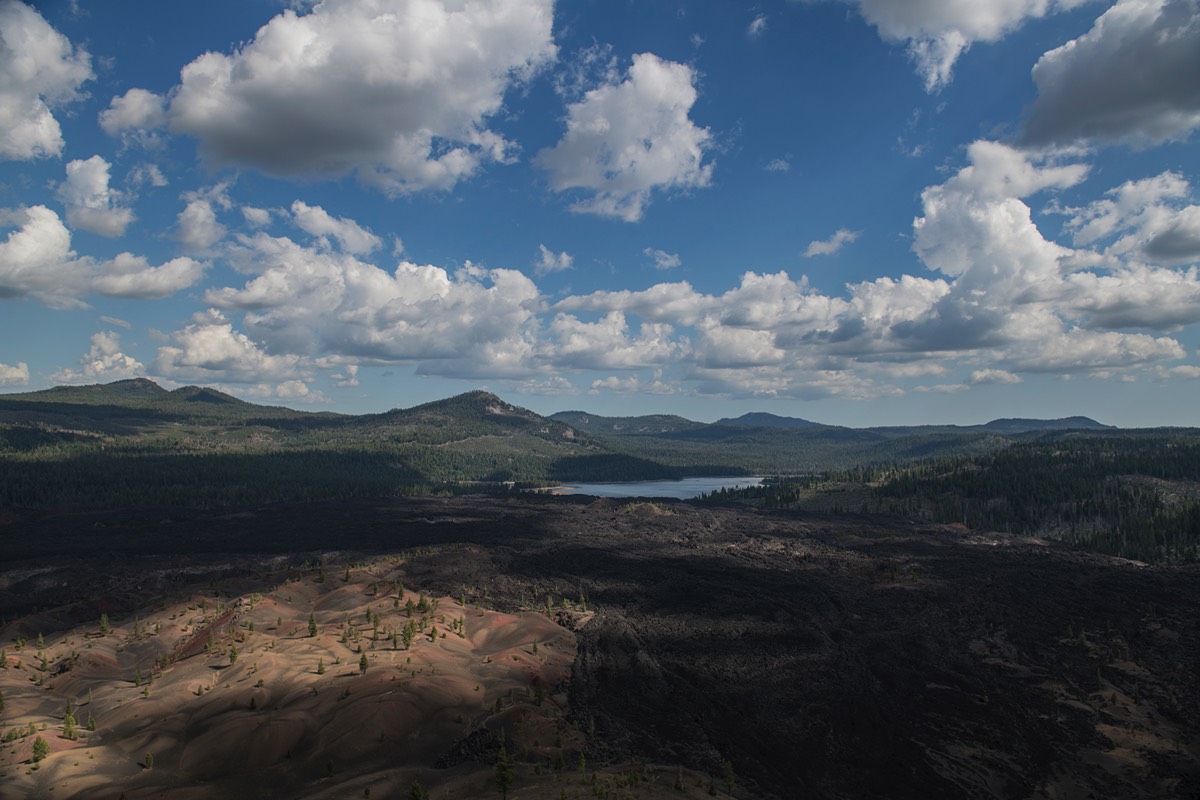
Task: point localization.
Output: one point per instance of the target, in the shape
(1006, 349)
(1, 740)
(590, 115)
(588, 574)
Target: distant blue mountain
(1028, 425)
(761, 419)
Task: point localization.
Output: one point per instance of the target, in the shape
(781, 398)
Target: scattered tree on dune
(504, 771)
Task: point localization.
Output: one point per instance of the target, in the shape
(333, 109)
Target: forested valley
(1134, 494)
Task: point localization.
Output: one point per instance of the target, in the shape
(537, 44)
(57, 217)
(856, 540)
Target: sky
(859, 212)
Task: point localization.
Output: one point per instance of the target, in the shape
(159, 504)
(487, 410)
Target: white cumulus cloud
(39, 70)
(132, 276)
(256, 217)
(104, 362)
(1135, 76)
(14, 375)
(937, 32)
(91, 203)
(350, 236)
(291, 391)
(135, 116)
(209, 350)
(36, 259)
(1178, 241)
(662, 259)
(549, 261)
(627, 139)
(607, 343)
(677, 302)
(399, 93)
(150, 174)
(827, 247)
(311, 301)
(1146, 217)
(197, 226)
(1135, 296)
(991, 375)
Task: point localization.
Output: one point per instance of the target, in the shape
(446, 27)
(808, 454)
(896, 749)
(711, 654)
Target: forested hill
(133, 443)
(758, 419)
(647, 425)
(1031, 425)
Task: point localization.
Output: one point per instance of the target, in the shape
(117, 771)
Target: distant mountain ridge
(486, 405)
(132, 442)
(661, 424)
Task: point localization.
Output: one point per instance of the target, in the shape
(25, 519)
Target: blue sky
(855, 211)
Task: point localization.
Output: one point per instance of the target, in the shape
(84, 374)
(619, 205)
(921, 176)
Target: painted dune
(210, 696)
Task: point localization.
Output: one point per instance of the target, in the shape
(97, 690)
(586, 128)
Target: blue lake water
(683, 489)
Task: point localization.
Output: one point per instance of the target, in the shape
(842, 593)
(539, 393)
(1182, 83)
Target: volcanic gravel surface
(819, 656)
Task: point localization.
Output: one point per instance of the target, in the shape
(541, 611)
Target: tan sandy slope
(209, 696)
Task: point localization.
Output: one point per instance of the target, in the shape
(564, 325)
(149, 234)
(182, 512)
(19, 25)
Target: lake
(683, 489)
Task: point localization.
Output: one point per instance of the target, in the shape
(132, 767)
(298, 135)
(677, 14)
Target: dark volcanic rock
(823, 656)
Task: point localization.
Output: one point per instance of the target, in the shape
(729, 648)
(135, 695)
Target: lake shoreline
(675, 489)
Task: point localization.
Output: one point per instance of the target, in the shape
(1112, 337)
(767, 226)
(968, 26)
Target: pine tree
(417, 791)
(105, 628)
(408, 634)
(504, 771)
(321, 666)
(41, 749)
(363, 664)
(312, 624)
(149, 761)
(91, 722)
(69, 731)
